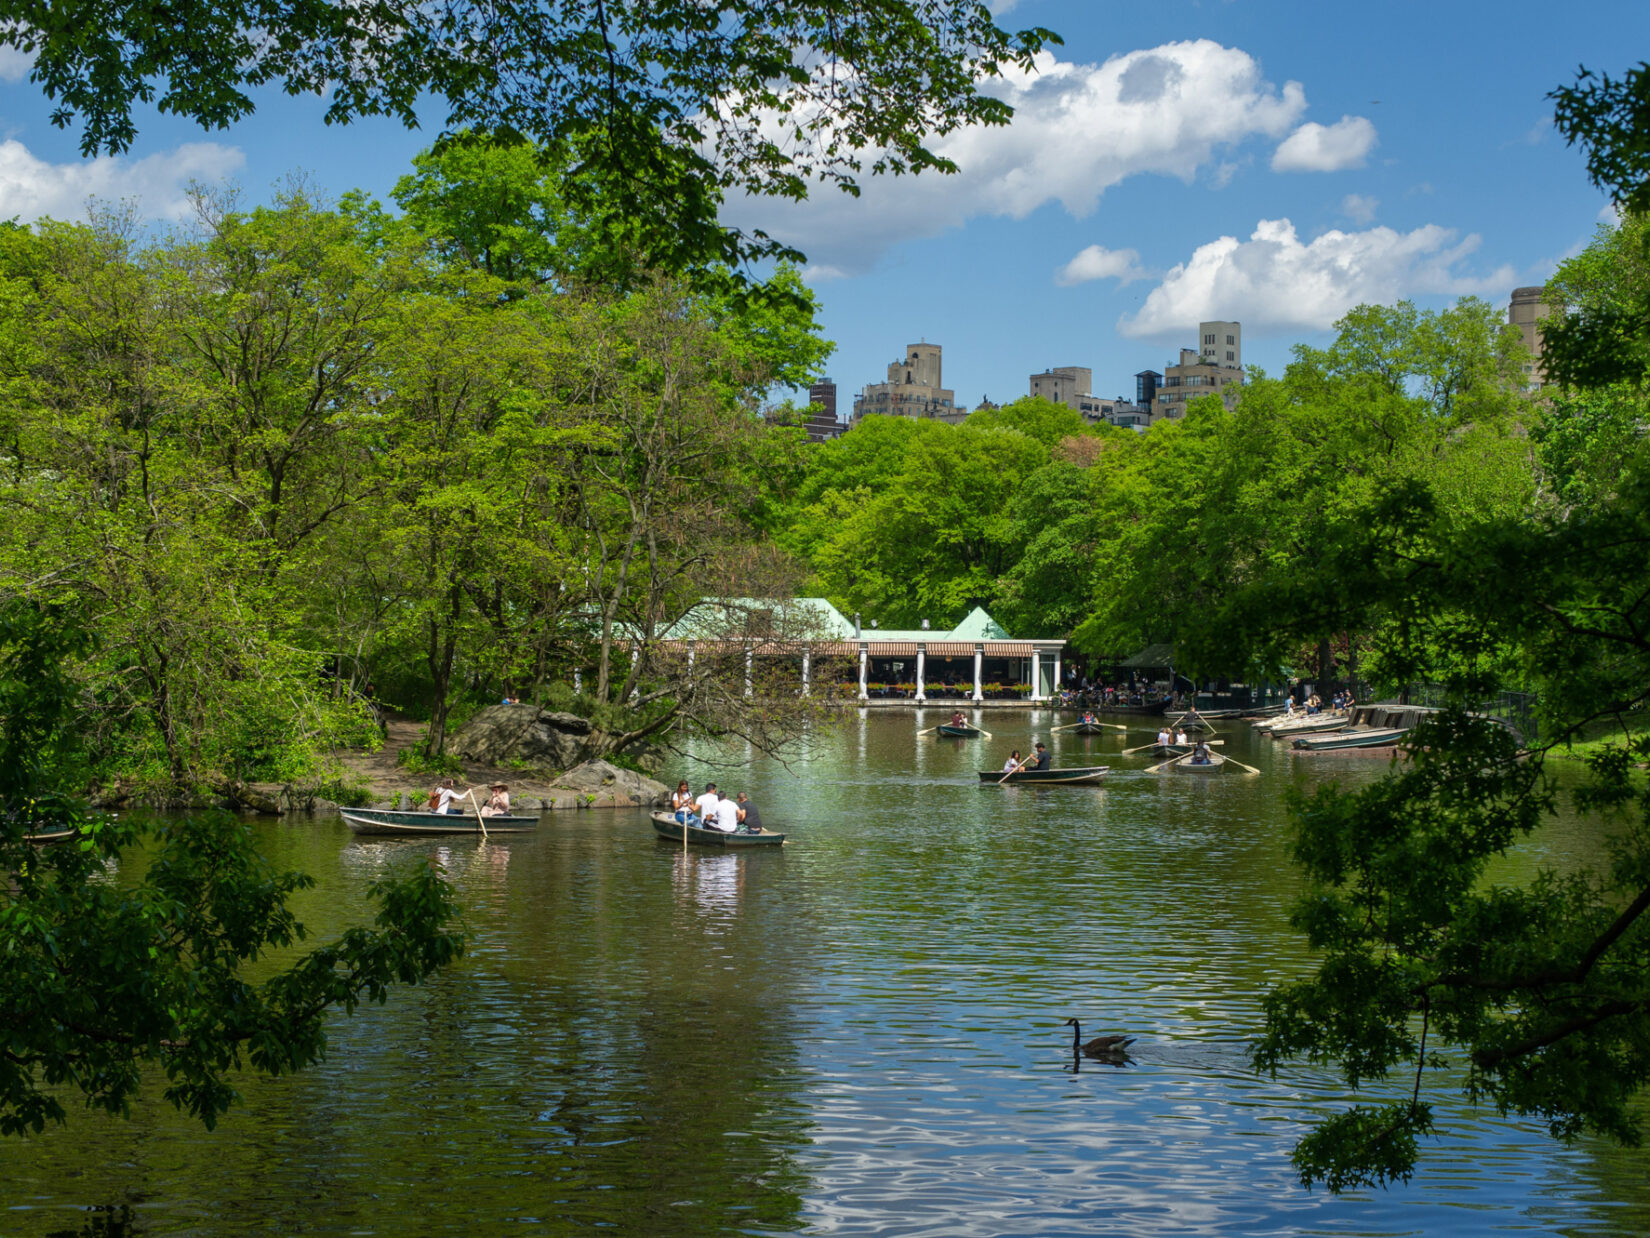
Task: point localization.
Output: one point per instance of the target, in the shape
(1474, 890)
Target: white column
(1036, 676)
(979, 660)
(922, 663)
(807, 690)
(864, 666)
(1057, 681)
(748, 656)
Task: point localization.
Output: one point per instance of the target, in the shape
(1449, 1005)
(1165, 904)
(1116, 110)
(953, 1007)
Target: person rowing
(959, 719)
(1013, 765)
(1039, 761)
(1164, 737)
(1200, 753)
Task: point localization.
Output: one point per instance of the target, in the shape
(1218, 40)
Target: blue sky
(1275, 163)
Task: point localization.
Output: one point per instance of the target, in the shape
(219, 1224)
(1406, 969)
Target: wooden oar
(471, 796)
(1017, 769)
(1163, 765)
(1247, 769)
(985, 732)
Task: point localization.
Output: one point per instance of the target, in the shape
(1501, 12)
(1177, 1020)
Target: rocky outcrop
(522, 737)
(602, 784)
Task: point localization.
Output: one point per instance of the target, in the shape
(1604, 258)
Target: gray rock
(520, 734)
(614, 786)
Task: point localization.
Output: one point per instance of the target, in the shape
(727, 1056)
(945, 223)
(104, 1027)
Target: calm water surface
(860, 1033)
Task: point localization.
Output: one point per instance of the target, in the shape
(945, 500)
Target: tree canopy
(655, 108)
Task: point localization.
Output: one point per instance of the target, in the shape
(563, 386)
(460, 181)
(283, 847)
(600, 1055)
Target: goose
(1100, 1046)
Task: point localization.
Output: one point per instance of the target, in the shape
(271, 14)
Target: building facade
(1526, 312)
(1214, 367)
(914, 389)
(823, 424)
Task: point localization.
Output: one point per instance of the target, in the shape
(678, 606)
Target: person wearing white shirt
(727, 816)
(449, 800)
(705, 805)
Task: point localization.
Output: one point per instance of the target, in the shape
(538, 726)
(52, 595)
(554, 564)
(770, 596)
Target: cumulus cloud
(14, 65)
(1359, 208)
(1326, 148)
(31, 187)
(1276, 282)
(1098, 262)
(1078, 129)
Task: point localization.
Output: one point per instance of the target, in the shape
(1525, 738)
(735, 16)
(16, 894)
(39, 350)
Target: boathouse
(976, 661)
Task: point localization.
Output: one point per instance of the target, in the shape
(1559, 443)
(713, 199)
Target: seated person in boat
(748, 816)
(1180, 738)
(498, 803)
(1013, 763)
(706, 804)
(681, 802)
(1040, 760)
(727, 817)
(1088, 718)
(446, 799)
(1165, 737)
(959, 719)
(1200, 754)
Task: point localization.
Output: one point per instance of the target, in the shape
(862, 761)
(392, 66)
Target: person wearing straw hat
(498, 803)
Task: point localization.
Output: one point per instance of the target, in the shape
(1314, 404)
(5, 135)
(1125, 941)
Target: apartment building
(1214, 367)
(913, 389)
(1525, 312)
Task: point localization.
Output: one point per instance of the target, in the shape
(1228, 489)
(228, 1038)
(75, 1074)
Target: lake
(859, 1033)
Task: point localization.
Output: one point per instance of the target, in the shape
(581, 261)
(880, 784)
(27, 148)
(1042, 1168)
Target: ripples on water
(859, 1034)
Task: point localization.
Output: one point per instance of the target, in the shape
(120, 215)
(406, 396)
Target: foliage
(129, 945)
(655, 106)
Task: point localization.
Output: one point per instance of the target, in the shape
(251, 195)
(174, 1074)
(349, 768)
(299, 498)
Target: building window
(1231, 339)
(1208, 339)
(1229, 355)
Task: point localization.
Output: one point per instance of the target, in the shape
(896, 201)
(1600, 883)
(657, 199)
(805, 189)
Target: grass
(1638, 731)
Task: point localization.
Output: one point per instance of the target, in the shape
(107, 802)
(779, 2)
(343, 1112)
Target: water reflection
(859, 1033)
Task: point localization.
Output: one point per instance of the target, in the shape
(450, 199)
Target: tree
(100, 979)
(656, 106)
(1541, 989)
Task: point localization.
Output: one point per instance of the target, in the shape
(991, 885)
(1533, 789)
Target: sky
(1174, 161)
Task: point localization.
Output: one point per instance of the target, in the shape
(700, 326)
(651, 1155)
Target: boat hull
(958, 732)
(1339, 740)
(1087, 728)
(1186, 765)
(1136, 711)
(1307, 726)
(1087, 775)
(668, 827)
(390, 821)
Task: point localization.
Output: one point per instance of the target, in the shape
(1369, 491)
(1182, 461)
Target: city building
(823, 425)
(1215, 367)
(913, 389)
(1071, 385)
(1525, 312)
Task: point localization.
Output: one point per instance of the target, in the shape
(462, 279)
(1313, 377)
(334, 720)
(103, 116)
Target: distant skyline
(1275, 163)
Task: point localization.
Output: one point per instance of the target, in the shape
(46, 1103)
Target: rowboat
(1086, 728)
(666, 826)
(48, 838)
(1371, 726)
(1307, 725)
(1188, 766)
(1074, 776)
(407, 823)
(959, 732)
(1138, 711)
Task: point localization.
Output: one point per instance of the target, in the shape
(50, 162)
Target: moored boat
(411, 822)
(1307, 725)
(958, 732)
(1138, 711)
(1371, 726)
(1074, 776)
(51, 837)
(666, 826)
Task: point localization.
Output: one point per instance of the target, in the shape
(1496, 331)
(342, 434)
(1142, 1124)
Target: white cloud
(31, 187)
(1275, 282)
(14, 65)
(1326, 148)
(1359, 208)
(1078, 129)
(1610, 214)
(1098, 262)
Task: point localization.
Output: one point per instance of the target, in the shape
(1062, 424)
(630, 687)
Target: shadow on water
(862, 1032)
